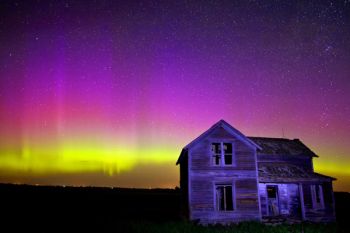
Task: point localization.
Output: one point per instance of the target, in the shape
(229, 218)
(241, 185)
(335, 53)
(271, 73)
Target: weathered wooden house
(227, 177)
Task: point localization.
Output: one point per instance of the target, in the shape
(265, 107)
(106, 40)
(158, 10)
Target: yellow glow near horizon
(112, 156)
(83, 158)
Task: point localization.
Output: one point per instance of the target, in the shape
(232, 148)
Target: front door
(272, 200)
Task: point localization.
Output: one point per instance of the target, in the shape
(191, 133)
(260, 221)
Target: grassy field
(246, 227)
(25, 208)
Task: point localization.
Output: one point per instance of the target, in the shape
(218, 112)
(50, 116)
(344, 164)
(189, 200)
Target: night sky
(106, 93)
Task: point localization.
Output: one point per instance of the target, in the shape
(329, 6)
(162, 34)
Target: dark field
(60, 209)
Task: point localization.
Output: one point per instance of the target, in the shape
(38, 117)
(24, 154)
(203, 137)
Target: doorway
(272, 200)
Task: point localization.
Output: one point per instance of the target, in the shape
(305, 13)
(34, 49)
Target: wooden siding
(294, 202)
(203, 177)
(246, 195)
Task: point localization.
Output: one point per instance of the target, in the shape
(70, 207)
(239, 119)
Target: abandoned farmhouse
(227, 177)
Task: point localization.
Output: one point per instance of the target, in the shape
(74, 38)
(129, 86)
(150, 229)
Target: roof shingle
(282, 146)
(283, 172)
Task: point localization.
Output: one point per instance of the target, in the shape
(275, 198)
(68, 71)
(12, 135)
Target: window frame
(317, 205)
(222, 155)
(233, 188)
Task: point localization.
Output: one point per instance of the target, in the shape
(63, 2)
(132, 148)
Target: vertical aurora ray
(109, 93)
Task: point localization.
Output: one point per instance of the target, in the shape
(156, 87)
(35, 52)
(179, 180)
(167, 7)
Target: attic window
(222, 153)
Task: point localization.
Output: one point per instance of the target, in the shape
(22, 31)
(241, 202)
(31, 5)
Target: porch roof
(288, 173)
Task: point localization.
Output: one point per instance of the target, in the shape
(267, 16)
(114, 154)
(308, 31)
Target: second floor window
(222, 153)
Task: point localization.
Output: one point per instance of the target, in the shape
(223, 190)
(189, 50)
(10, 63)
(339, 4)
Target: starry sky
(106, 93)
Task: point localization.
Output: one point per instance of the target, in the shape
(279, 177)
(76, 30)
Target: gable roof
(282, 146)
(224, 125)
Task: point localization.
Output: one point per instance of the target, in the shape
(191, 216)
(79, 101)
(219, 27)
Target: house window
(222, 153)
(317, 196)
(224, 197)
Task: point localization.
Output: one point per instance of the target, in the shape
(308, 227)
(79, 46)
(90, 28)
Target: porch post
(301, 195)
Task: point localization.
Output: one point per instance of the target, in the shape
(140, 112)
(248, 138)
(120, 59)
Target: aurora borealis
(107, 93)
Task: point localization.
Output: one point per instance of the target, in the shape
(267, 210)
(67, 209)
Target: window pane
(271, 192)
(229, 201)
(228, 148)
(228, 153)
(216, 148)
(224, 198)
(217, 159)
(220, 200)
(228, 159)
(318, 199)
